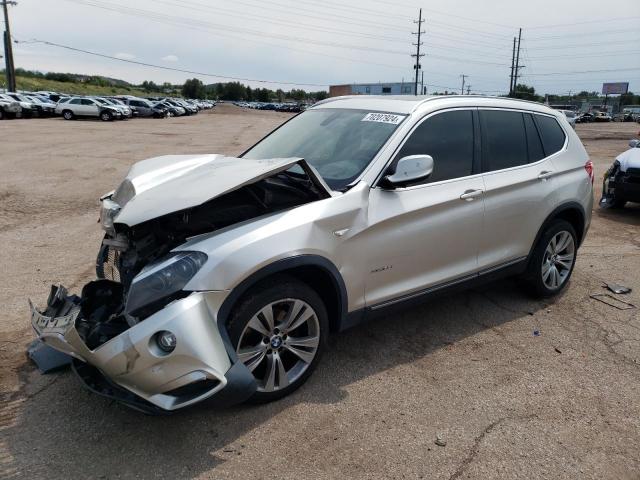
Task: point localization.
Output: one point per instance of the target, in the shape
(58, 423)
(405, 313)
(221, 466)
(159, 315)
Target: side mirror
(410, 169)
(634, 143)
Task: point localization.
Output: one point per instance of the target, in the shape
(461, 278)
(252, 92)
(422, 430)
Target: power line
(193, 72)
(599, 21)
(585, 71)
(186, 21)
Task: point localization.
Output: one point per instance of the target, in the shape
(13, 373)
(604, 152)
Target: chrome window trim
(478, 109)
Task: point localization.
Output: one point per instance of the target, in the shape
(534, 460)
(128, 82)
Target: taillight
(589, 168)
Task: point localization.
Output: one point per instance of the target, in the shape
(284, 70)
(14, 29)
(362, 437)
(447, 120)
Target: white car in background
(571, 117)
(9, 108)
(124, 110)
(86, 107)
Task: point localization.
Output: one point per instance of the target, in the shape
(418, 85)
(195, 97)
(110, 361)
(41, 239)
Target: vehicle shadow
(67, 432)
(629, 215)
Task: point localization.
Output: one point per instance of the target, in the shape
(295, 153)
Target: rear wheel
(278, 331)
(553, 259)
(67, 115)
(2, 114)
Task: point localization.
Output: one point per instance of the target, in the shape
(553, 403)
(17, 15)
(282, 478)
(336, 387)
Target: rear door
(425, 235)
(519, 185)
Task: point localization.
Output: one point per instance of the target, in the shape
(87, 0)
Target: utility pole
(8, 50)
(518, 67)
(513, 64)
(464, 77)
(422, 84)
(417, 66)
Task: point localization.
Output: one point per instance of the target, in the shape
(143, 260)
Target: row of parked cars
(278, 107)
(121, 107)
(624, 116)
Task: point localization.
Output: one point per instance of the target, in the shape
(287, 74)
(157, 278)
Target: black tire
(533, 277)
(106, 116)
(2, 114)
(264, 293)
(68, 115)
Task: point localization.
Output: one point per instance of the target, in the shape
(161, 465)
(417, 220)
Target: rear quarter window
(552, 134)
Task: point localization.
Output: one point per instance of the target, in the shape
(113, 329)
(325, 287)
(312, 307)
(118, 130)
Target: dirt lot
(564, 404)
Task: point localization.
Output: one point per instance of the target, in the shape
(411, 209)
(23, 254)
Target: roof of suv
(409, 103)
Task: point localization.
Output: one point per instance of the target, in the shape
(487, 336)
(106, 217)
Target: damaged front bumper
(132, 368)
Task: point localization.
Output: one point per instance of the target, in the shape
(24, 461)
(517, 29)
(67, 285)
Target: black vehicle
(621, 183)
(585, 118)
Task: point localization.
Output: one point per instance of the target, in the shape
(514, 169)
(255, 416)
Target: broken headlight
(108, 211)
(163, 279)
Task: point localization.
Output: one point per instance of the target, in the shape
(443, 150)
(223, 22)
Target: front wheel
(67, 115)
(106, 116)
(279, 330)
(553, 259)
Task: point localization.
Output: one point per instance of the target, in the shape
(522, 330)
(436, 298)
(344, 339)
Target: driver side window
(448, 138)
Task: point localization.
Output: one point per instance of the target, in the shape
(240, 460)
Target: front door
(426, 235)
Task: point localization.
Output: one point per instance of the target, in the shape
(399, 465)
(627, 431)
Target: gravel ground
(509, 404)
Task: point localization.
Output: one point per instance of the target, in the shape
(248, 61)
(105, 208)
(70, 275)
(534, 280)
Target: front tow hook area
(51, 324)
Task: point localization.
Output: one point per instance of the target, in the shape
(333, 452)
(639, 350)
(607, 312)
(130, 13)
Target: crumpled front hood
(629, 159)
(162, 185)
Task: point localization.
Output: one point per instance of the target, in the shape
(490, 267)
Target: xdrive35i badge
(382, 269)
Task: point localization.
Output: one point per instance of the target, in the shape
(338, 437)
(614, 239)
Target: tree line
(236, 91)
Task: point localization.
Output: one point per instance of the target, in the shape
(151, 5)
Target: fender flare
(553, 215)
(305, 260)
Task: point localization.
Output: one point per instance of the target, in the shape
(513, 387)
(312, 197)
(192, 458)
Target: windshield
(338, 143)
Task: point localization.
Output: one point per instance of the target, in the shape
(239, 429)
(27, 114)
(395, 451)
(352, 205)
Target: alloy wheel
(558, 260)
(279, 343)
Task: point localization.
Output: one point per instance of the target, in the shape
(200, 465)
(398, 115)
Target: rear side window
(534, 145)
(448, 138)
(552, 134)
(504, 143)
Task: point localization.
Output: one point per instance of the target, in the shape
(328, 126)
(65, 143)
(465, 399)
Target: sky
(567, 45)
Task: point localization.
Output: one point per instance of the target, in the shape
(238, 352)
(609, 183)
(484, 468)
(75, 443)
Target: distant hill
(81, 84)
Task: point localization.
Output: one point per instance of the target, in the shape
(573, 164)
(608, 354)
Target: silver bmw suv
(221, 278)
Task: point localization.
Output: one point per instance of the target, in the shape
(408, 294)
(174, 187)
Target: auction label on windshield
(383, 118)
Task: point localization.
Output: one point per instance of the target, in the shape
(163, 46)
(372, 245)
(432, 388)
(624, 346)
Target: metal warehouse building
(393, 88)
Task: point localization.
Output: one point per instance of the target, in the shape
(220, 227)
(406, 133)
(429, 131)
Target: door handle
(469, 195)
(545, 174)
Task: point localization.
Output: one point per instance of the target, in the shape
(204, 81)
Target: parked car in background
(221, 278)
(145, 108)
(179, 108)
(621, 182)
(601, 117)
(44, 107)
(585, 117)
(173, 110)
(86, 107)
(124, 110)
(9, 108)
(27, 107)
(189, 109)
(571, 117)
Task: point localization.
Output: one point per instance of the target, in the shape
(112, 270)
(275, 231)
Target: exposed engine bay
(122, 257)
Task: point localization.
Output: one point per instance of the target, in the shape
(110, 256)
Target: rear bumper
(132, 369)
(626, 190)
